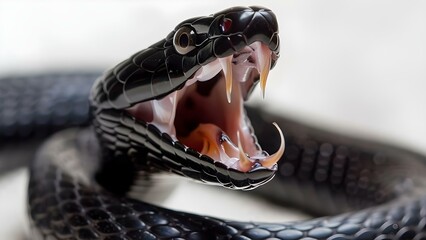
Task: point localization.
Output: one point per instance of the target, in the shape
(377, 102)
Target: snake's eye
(184, 40)
(225, 25)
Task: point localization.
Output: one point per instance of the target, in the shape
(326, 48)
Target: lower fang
(245, 162)
(274, 158)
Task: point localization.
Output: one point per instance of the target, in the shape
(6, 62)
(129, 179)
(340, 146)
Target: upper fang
(226, 64)
(263, 65)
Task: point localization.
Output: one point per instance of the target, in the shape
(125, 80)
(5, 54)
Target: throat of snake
(208, 115)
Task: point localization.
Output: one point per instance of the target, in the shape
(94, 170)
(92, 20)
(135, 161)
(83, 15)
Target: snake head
(224, 33)
(189, 91)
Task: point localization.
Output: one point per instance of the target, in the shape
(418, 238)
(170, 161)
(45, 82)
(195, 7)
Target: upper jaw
(221, 129)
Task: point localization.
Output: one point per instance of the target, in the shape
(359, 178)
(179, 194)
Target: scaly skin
(321, 172)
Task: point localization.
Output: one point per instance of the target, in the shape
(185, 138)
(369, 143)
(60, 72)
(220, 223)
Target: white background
(358, 67)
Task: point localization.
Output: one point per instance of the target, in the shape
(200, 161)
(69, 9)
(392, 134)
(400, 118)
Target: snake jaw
(208, 115)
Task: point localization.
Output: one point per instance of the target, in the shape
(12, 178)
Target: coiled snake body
(177, 108)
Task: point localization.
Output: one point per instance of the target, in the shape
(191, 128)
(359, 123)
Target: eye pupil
(226, 25)
(184, 40)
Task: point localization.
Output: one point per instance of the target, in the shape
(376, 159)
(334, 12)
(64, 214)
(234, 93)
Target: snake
(176, 109)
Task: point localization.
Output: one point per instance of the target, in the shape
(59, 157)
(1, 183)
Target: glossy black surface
(363, 183)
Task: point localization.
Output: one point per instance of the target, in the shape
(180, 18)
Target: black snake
(177, 107)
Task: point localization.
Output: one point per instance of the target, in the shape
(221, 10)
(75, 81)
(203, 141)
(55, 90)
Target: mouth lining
(211, 117)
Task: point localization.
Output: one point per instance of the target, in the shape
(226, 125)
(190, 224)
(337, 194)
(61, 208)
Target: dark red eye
(226, 25)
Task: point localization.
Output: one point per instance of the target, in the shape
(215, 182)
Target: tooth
(274, 158)
(264, 64)
(245, 162)
(264, 76)
(226, 64)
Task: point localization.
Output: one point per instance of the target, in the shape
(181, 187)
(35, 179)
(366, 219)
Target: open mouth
(208, 115)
